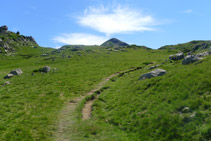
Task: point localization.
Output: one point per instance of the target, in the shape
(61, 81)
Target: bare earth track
(67, 117)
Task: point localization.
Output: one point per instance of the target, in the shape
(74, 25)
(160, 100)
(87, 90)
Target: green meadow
(43, 106)
(30, 105)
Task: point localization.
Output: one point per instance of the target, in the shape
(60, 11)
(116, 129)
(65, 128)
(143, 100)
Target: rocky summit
(10, 41)
(113, 42)
(3, 29)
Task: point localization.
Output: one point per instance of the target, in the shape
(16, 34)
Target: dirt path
(87, 110)
(67, 117)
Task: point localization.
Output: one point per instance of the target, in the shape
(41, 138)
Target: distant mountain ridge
(113, 42)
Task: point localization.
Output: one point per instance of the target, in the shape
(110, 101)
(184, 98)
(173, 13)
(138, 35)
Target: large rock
(8, 76)
(190, 59)
(46, 69)
(154, 73)
(3, 29)
(177, 56)
(16, 72)
(203, 54)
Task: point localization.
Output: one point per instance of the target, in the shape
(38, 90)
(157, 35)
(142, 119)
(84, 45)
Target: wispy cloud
(119, 19)
(188, 11)
(80, 39)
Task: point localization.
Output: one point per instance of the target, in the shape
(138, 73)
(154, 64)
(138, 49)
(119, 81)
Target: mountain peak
(114, 42)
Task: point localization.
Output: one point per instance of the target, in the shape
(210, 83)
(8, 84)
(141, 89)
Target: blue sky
(153, 23)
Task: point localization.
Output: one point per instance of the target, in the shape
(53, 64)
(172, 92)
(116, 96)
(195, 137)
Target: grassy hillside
(175, 106)
(31, 103)
(193, 46)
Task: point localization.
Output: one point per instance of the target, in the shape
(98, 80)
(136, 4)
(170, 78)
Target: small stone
(46, 69)
(193, 115)
(7, 83)
(8, 76)
(186, 110)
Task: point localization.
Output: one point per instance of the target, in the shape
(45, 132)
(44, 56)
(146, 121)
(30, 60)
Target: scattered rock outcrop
(203, 54)
(190, 59)
(201, 46)
(10, 41)
(177, 56)
(154, 73)
(193, 58)
(193, 46)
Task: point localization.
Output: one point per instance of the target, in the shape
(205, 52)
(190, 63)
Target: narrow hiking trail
(87, 110)
(67, 117)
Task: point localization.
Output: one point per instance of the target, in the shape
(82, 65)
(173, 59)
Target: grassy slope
(153, 109)
(30, 104)
(194, 46)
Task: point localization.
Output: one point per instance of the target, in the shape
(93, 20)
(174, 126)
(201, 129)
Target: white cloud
(80, 39)
(116, 20)
(188, 11)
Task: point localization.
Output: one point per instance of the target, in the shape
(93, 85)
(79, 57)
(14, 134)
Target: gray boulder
(190, 59)
(46, 69)
(16, 72)
(3, 29)
(153, 67)
(154, 73)
(203, 54)
(8, 76)
(177, 56)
